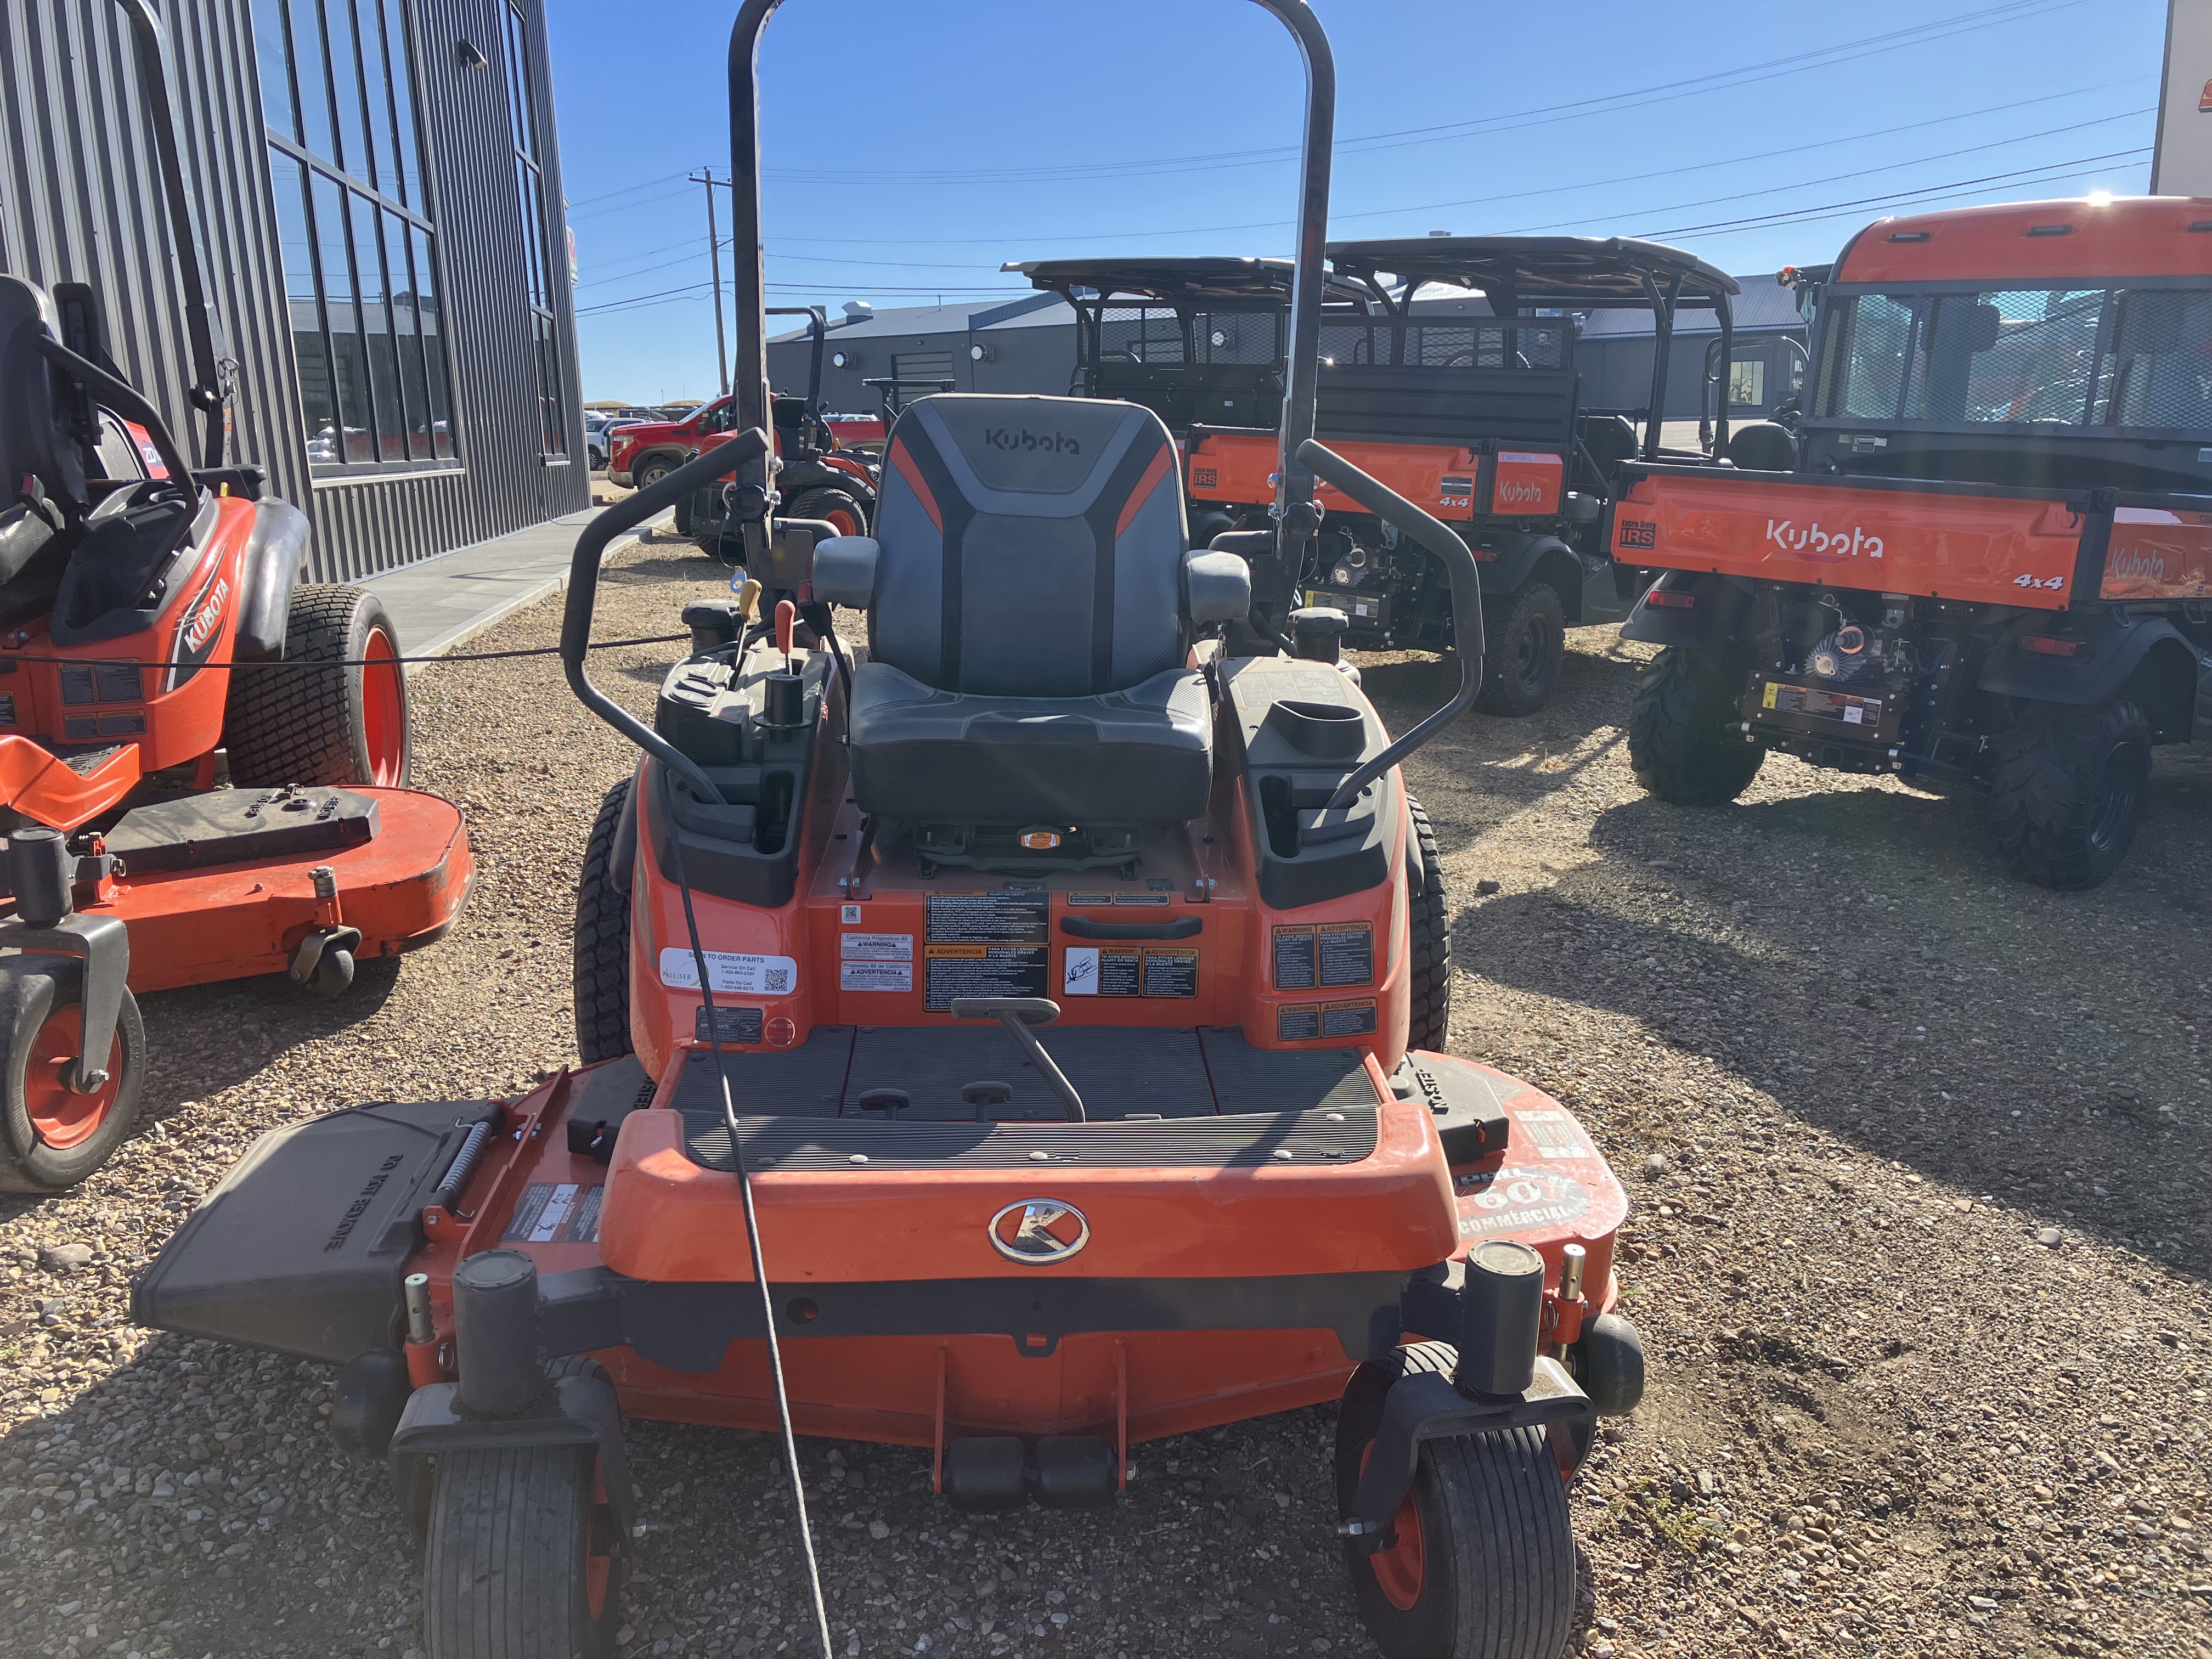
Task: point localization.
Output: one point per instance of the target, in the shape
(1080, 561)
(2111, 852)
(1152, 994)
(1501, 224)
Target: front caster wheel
(50, 1137)
(525, 1558)
(1479, 1562)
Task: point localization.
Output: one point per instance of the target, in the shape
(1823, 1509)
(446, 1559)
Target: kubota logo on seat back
(1813, 542)
(1053, 443)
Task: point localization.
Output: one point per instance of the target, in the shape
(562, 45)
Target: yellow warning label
(1771, 688)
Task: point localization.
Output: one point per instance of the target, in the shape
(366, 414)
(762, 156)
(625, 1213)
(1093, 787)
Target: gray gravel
(1918, 1156)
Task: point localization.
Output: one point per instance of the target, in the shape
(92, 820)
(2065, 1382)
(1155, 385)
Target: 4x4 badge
(1037, 1232)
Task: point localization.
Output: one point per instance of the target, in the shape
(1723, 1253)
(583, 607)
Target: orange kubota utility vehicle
(1984, 558)
(1479, 416)
(1018, 1044)
(150, 616)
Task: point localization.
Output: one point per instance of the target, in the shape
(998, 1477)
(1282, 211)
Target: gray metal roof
(1572, 270)
(962, 319)
(1763, 307)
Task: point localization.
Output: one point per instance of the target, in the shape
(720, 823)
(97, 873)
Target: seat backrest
(31, 442)
(1029, 547)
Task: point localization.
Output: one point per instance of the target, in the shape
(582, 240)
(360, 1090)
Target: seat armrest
(1217, 587)
(845, 571)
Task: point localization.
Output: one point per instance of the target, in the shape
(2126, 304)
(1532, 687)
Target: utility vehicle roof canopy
(1213, 279)
(1525, 271)
(2128, 236)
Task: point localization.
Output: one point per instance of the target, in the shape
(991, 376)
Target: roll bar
(1388, 505)
(1295, 516)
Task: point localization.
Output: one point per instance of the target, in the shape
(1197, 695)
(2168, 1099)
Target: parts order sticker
(746, 975)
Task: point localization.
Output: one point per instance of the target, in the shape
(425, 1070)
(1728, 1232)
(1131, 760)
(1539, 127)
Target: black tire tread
(1511, 1547)
(19, 1163)
(814, 503)
(1428, 938)
(1680, 745)
(1502, 692)
(284, 726)
(602, 941)
(2044, 790)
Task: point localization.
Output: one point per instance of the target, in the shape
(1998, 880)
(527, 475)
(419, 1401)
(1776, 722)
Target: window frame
(1839, 313)
(557, 441)
(367, 193)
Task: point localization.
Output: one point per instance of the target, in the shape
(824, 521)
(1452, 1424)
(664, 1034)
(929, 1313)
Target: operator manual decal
(1015, 917)
(746, 975)
(550, 1214)
(1509, 1201)
(982, 970)
(875, 962)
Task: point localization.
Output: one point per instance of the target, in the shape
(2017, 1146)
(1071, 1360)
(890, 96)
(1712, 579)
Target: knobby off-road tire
(602, 942)
(1483, 1562)
(1428, 934)
(1683, 743)
(1524, 644)
(2068, 790)
(50, 1138)
(521, 1562)
(837, 506)
(300, 724)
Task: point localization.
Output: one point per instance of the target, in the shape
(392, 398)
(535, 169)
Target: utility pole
(706, 176)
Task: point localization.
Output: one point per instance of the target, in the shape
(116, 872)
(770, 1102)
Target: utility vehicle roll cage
(1528, 276)
(1216, 357)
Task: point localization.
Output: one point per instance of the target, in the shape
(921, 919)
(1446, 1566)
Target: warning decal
(1170, 973)
(876, 947)
(551, 1214)
(731, 1024)
(1014, 917)
(1555, 1135)
(868, 974)
(1127, 971)
(1295, 1021)
(1347, 1019)
(1295, 968)
(1511, 1201)
(1348, 954)
(982, 970)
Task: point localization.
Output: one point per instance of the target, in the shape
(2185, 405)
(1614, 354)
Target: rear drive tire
(1482, 1563)
(602, 942)
(1428, 935)
(1523, 646)
(50, 1138)
(1682, 741)
(298, 723)
(2069, 787)
(835, 505)
(525, 1559)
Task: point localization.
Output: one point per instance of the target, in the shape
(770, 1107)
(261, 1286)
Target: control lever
(1018, 1014)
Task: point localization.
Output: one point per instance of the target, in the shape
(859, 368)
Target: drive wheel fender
(52, 1138)
(1683, 745)
(335, 711)
(837, 506)
(525, 1558)
(1480, 1561)
(1525, 642)
(602, 941)
(1428, 934)
(2069, 789)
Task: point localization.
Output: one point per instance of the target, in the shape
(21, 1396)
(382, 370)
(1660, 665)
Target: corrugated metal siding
(79, 201)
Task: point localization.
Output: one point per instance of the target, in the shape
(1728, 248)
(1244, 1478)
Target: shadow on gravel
(1826, 1006)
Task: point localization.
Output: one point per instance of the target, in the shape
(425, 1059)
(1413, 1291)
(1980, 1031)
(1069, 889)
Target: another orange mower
(1016, 1044)
(151, 614)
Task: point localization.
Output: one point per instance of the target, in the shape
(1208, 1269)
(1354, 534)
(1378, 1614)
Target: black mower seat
(1030, 598)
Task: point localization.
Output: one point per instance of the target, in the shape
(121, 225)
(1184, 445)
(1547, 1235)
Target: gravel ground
(1918, 1156)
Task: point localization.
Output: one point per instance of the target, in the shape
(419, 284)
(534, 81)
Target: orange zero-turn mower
(1017, 1045)
(150, 616)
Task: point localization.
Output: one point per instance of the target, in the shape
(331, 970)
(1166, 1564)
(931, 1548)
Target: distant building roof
(962, 318)
(1764, 307)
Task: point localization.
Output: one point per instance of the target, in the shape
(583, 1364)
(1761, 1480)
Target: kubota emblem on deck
(1039, 1230)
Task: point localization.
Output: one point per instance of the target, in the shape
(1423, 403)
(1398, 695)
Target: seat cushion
(924, 756)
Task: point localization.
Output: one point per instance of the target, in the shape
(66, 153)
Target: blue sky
(914, 145)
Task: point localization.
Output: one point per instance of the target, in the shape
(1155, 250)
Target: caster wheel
(1479, 1562)
(333, 973)
(51, 1137)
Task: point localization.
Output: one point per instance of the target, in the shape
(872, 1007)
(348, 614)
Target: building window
(359, 250)
(530, 192)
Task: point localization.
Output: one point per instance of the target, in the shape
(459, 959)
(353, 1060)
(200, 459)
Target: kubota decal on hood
(203, 627)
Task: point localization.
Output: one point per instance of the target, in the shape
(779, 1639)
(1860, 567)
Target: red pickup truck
(821, 478)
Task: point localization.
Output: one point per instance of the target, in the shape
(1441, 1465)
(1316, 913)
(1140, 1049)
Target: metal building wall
(79, 201)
